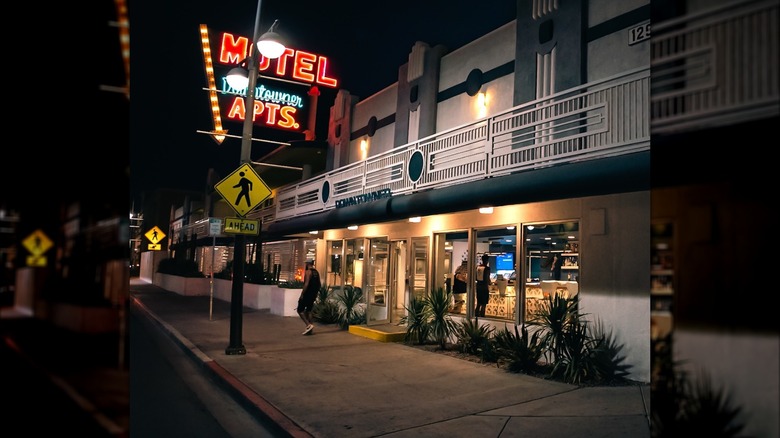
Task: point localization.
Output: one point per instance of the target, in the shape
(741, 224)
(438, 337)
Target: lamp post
(271, 47)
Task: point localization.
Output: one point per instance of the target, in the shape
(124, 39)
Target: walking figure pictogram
(246, 187)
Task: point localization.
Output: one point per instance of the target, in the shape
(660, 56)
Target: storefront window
(500, 245)
(353, 270)
(333, 268)
(450, 252)
(420, 268)
(552, 253)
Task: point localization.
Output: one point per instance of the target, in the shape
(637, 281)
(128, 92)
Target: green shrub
(292, 284)
(180, 267)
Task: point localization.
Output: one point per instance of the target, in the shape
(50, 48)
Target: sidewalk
(336, 384)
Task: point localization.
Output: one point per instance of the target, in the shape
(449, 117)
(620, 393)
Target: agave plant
(520, 352)
(573, 363)
(350, 313)
(554, 316)
(416, 321)
(325, 309)
(472, 337)
(609, 365)
(442, 325)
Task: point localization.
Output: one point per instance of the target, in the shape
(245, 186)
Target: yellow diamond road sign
(155, 235)
(37, 243)
(243, 189)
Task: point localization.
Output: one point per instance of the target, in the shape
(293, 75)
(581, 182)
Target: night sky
(365, 43)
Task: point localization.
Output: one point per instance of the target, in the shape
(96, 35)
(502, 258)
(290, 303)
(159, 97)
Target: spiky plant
(442, 325)
(350, 313)
(416, 321)
(474, 338)
(608, 363)
(553, 316)
(520, 352)
(325, 309)
(574, 364)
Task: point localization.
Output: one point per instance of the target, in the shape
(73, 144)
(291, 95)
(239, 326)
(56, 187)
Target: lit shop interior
(388, 271)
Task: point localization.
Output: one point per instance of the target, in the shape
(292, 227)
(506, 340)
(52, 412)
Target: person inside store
(555, 267)
(459, 285)
(311, 287)
(483, 286)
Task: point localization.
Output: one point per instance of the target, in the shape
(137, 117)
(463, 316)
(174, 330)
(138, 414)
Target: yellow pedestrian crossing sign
(155, 235)
(243, 189)
(37, 243)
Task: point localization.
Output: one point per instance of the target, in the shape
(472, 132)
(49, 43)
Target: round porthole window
(416, 162)
(372, 126)
(325, 192)
(474, 82)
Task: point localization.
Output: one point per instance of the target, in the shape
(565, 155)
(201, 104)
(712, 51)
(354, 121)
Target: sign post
(243, 190)
(215, 226)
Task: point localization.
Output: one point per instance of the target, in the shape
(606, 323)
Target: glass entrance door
(399, 280)
(378, 281)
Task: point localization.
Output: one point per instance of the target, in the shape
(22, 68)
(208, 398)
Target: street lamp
(270, 46)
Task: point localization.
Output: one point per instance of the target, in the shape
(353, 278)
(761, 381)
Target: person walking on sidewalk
(311, 287)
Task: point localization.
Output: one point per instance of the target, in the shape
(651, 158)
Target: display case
(570, 265)
(536, 292)
(661, 278)
(501, 305)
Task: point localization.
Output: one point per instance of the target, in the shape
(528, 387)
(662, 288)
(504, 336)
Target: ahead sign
(234, 225)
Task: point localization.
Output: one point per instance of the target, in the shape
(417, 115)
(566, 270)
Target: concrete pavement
(336, 384)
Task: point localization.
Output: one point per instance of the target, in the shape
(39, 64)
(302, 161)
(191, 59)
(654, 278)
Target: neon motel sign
(276, 104)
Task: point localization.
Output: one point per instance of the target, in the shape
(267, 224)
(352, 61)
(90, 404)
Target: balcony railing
(715, 67)
(603, 118)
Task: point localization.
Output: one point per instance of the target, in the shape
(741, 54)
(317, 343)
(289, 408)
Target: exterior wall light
(415, 219)
(486, 210)
(352, 227)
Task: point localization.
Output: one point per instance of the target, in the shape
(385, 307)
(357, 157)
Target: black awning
(619, 174)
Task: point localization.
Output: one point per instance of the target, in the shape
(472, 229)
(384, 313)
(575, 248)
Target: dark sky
(366, 42)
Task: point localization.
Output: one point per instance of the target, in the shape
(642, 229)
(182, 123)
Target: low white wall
(284, 301)
(256, 296)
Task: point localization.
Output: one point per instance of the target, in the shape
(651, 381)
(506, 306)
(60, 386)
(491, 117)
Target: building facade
(532, 144)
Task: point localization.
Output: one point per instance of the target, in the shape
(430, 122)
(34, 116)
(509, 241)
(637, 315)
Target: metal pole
(236, 345)
(211, 283)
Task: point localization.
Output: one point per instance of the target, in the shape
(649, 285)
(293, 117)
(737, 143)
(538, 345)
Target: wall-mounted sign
(639, 33)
